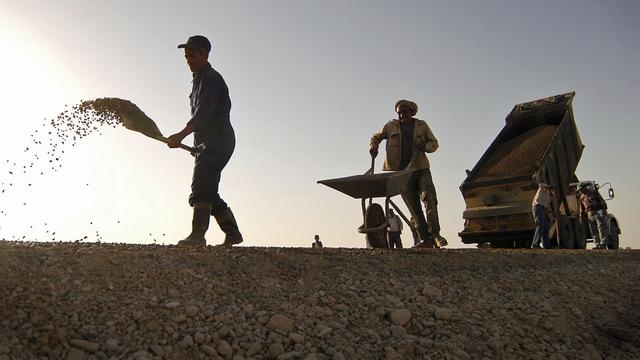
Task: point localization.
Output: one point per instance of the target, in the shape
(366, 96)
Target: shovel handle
(182, 146)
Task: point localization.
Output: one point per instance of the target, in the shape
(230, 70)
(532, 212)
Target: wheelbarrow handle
(373, 163)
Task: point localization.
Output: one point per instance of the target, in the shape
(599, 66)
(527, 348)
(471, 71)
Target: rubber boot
(441, 241)
(229, 226)
(199, 226)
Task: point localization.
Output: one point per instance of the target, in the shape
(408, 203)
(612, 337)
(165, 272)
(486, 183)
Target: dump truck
(539, 143)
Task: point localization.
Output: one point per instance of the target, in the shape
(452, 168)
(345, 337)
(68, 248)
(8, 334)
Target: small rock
(173, 304)
(76, 354)
(112, 344)
(324, 332)
(199, 337)
(254, 349)
(84, 345)
(443, 314)
(209, 350)
(224, 348)
(192, 310)
(400, 316)
(342, 308)
(398, 331)
(187, 341)
(431, 291)
(280, 322)
(275, 350)
(157, 350)
(174, 293)
(296, 338)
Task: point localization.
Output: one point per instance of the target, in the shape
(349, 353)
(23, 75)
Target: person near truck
(540, 207)
(211, 126)
(408, 141)
(394, 230)
(593, 206)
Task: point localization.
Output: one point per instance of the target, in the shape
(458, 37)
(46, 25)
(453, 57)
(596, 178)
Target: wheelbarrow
(369, 186)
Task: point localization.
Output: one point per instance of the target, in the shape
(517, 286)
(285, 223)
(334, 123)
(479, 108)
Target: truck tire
(614, 238)
(579, 235)
(566, 233)
(374, 216)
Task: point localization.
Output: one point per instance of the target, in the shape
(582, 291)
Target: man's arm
(175, 140)
(376, 139)
(432, 143)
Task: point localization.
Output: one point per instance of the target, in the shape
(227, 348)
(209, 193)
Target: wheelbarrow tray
(372, 185)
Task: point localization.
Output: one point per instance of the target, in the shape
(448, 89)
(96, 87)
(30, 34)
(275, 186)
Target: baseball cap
(197, 42)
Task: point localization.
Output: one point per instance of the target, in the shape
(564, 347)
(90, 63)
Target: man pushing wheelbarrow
(408, 175)
(408, 141)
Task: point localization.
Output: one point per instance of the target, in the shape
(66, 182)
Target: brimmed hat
(409, 104)
(197, 42)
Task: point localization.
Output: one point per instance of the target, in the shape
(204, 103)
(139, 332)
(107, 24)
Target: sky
(310, 82)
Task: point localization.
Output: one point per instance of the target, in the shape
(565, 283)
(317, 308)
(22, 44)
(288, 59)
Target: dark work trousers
(395, 240)
(421, 188)
(208, 169)
(542, 227)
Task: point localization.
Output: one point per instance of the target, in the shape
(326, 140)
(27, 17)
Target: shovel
(135, 119)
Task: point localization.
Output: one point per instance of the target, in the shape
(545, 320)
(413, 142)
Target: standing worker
(395, 229)
(211, 126)
(408, 139)
(316, 242)
(540, 205)
(594, 206)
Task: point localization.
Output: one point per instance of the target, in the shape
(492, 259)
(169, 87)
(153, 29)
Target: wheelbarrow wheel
(374, 217)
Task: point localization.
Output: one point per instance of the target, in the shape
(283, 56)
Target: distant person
(316, 244)
(394, 230)
(211, 126)
(593, 206)
(540, 206)
(408, 139)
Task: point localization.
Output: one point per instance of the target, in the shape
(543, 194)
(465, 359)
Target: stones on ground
(342, 312)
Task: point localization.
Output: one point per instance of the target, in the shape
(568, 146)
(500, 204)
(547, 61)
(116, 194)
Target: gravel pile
(518, 156)
(104, 301)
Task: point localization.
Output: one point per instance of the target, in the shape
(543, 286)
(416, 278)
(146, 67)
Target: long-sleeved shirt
(210, 105)
(423, 140)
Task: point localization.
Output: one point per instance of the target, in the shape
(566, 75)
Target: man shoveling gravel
(211, 126)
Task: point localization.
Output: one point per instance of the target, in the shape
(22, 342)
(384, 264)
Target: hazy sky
(310, 81)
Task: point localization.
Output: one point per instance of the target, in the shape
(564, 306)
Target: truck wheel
(579, 234)
(374, 216)
(566, 233)
(614, 238)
